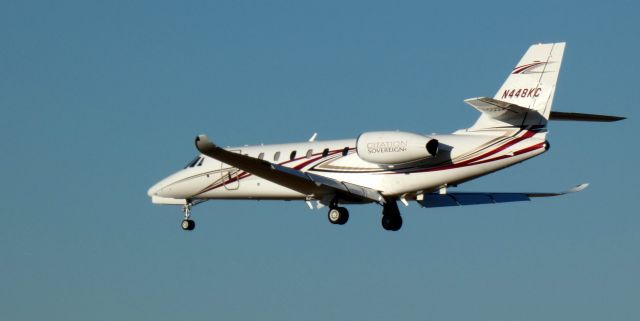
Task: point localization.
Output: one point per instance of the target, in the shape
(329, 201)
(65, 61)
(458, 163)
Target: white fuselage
(462, 156)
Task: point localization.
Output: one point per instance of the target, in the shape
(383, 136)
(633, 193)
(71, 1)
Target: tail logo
(525, 68)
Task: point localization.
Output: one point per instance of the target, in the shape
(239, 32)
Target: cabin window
(309, 153)
(276, 156)
(325, 152)
(261, 156)
(293, 155)
(345, 151)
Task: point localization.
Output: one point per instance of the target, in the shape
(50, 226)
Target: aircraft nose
(154, 189)
(177, 185)
(166, 187)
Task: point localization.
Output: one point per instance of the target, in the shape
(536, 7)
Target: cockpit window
(193, 162)
(201, 161)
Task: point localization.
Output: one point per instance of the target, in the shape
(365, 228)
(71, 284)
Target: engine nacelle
(394, 148)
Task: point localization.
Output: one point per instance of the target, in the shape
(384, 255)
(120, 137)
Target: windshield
(193, 162)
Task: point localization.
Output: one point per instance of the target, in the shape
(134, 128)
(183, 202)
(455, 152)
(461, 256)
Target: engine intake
(394, 148)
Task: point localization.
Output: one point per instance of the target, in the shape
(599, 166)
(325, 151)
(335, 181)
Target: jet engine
(394, 148)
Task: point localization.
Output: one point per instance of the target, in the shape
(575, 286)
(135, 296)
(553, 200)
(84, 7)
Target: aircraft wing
(305, 183)
(461, 199)
(559, 115)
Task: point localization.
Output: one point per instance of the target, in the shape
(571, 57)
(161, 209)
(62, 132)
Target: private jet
(388, 167)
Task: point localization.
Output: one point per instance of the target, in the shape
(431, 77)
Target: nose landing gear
(187, 223)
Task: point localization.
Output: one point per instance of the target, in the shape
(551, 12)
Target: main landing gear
(391, 219)
(187, 223)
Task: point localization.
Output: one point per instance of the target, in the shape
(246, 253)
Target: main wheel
(391, 222)
(344, 215)
(188, 225)
(397, 223)
(387, 222)
(338, 215)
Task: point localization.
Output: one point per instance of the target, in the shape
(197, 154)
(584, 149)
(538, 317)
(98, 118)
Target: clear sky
(100, 99)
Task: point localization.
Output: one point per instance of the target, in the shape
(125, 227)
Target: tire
(334, 216)
(188, 225)
(344, 215)
(387, 222)
(397, 223)
(391, 222)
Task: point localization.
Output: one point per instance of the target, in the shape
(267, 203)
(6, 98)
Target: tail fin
(531, 85)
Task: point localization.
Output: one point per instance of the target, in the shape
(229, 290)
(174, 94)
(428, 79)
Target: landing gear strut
(338, 215)
(391, 219)
(187, 223)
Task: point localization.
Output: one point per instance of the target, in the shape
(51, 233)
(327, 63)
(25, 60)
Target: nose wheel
(187, 223)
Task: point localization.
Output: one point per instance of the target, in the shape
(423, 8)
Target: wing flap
(463, 199)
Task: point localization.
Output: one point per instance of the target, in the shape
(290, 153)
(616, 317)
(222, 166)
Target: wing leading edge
(462, 199)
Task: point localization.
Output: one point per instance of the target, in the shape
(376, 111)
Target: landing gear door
(229, 175)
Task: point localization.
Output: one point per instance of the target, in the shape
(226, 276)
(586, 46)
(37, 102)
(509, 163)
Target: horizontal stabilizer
(462, 199)
(502, 110)
(558, 115)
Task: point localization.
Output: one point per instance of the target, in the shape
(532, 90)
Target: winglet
(578, 188)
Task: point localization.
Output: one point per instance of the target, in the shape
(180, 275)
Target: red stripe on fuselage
(475, 160)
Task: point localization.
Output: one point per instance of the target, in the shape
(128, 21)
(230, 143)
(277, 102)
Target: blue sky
(101, 99)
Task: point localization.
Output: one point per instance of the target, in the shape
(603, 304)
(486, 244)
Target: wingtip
(203, 142)
(579, 188)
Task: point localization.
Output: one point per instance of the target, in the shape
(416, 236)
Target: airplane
(387, 167)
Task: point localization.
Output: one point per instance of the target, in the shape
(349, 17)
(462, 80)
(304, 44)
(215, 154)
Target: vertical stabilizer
(531, 84)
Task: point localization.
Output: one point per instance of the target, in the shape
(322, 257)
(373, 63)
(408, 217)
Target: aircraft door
(229, 175)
